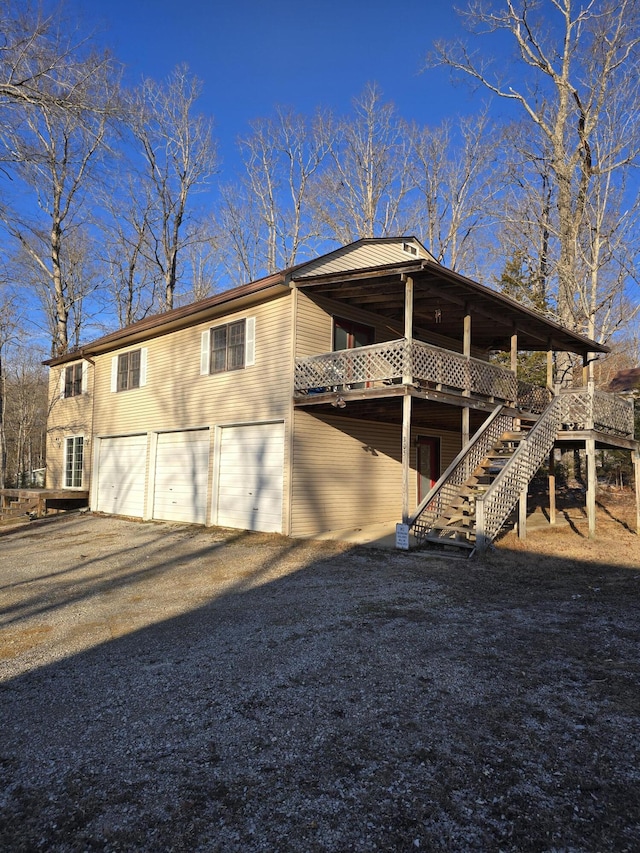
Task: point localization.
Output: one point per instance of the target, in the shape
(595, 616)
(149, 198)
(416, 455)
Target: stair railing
(449, 484)
(493, 508)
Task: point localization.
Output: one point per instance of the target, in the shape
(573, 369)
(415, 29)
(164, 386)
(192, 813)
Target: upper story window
(73, 380)
(129, 370)
(227, 347)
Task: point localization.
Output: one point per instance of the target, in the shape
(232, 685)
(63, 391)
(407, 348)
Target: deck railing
(389, 362)
(589, 408)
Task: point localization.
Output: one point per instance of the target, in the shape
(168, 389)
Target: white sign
(402, 537)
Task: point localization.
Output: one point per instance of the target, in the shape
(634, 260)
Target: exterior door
(428, 465)
(350, 335)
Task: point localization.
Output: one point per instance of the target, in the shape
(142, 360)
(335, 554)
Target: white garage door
(182, 465)
(121, 469)
(250, 477)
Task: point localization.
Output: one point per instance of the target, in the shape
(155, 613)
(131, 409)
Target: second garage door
(181, 476)
(251, 476)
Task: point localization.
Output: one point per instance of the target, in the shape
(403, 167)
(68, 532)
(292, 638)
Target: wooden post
(590, 445)
(406, 400)
(465, 426)
(552, 487)
(514, 350)
(636, 476)
(408, 308)
(549, 367)
(406, 454)
(522, 515)
(481, 540)
(466, 351)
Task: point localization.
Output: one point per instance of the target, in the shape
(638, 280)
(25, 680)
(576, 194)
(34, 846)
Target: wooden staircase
(471, 502)
(455, 525)
(30, 506)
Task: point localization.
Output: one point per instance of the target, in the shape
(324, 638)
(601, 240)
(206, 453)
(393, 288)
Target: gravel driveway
(167, 688)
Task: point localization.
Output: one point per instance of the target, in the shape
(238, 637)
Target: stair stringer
(494, 507)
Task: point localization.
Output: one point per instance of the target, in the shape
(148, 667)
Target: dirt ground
(167, 688)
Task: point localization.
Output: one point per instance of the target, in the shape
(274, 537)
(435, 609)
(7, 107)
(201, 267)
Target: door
(250, 477)
(428, 452)
(121, 473)
(181, 476)
(350, 335)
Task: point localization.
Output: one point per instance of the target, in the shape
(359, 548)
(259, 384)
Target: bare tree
(53, 133)
(237, 235)
(574, 62)
(178, 157)
(281, 157)
(128, 250)
(363, 191)
(26, 384)
(456, 181)
(43, 59)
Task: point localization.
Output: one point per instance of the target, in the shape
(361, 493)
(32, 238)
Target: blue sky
(301, 54)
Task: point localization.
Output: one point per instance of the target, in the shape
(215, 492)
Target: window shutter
(85, 371)
(114, 373)
(204, 353)
(143, 366)
(250, 343)
(62, 382)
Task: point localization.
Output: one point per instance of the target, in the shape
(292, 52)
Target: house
(353, 389)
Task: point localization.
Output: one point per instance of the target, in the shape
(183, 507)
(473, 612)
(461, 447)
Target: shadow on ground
(297, 697)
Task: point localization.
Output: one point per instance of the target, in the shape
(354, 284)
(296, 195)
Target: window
(73, 380)
(129, 370)
(228, 347)
(74, 447)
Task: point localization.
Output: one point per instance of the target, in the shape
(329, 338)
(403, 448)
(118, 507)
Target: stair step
(453, 528)
(513, 436)
(457, 543)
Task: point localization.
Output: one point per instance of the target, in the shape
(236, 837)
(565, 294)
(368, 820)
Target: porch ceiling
(425, 414)
(441, 300)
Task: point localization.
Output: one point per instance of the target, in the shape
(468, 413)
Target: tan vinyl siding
(362, 257)
(345, 473)
(177, 397)
(348, 473)
(67, 417)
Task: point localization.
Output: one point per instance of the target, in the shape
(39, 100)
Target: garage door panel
(181, 476)
(250, 479)
(121, 475)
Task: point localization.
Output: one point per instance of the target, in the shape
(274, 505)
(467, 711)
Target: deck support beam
(466, 351)
(590, 446)
(552, 487)
(549, 367)
(636, 475)
(522, 515)
(406, 455)
(407, 380)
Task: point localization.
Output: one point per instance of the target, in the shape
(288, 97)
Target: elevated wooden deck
(37, 502)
